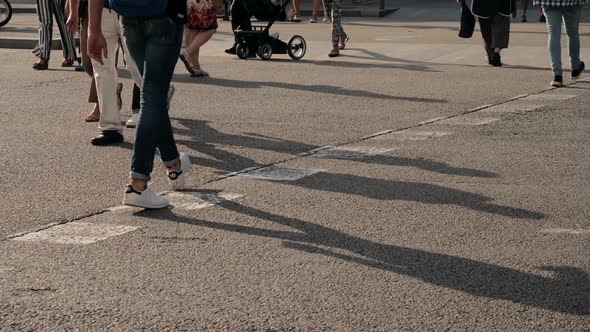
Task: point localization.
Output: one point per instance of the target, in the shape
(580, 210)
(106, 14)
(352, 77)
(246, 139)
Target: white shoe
(132, 123)
(146, 199)
(170, 95)
(177, 180)
(313, 19)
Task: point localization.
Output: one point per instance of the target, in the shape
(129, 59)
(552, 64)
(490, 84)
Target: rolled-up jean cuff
(139, 176)
(172, 162)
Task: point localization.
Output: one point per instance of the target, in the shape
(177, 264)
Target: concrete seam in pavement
(298, 156)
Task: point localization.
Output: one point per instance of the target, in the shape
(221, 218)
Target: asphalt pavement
(405, 186)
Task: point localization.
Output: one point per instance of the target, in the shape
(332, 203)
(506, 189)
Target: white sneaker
(146, 199)
(313, 19)
(177, 180)
(170, 95)
(132, 123)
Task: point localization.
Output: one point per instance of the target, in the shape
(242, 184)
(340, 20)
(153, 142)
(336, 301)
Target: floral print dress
(201, 15)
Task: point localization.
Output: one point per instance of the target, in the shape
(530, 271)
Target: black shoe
(107, 137)
(231, 50)
(576, 73)
(523, 20)
(542, 19)
(557, 81)
(496, 60)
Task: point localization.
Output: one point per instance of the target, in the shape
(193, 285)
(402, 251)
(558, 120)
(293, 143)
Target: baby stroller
(265, 44)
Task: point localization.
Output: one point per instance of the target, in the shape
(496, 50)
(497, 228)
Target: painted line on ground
(79, 233)
(351, 153)
(273, 173)
(549, 97)
(190, 201)
(513, 108)
(413, 135)
(468, 121)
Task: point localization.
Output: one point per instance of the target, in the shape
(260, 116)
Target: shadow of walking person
(567, 291)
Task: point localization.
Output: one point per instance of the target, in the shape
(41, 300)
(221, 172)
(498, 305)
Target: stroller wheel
(265, 52)
(242, 50)
(296, 47)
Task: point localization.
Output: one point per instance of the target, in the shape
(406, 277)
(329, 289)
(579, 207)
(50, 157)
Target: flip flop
(188, 63)
(200, 73)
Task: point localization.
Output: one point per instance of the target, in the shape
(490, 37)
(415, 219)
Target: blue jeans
(154, 44)
(570, 15)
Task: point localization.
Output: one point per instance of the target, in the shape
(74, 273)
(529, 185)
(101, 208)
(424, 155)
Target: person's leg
(154, 44)
(67, 38)
(199, 39)
(336, 25)
(297, 12)
(87, 64)
(106, 78)
(485, 26)
(571, 17)
(43, 48)
(554, 21)
(500, 33)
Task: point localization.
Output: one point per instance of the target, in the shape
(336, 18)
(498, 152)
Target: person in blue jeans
(154, 44)
(569, 12)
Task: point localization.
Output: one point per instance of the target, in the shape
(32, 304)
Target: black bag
(467, 22)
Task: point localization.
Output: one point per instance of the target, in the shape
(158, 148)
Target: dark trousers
(495, 32)
(243, 10)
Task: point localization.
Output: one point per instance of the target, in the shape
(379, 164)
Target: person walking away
(107, 85)
(333, 12)
(494, 22)
(201, 26)
(569, 12)
(153, 34)
(46, 9)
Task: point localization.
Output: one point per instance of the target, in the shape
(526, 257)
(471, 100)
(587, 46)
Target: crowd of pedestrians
(147, 35)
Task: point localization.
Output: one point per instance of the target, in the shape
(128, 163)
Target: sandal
(67, 63)
(343, 44)
(94, 116)
(200, 73)
(41, 64)
(188, 63)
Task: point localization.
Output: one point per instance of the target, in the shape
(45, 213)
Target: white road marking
(412, 135)
(273, 173)
(549, 97)
(468, 121)
(512, 107)
(121, 208)
(195, 200)
(353, 152)
(431, 120)
(76, 233)
(565, 231)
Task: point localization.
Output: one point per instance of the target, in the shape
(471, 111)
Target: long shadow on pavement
(204, 138)
(329, 89)
(566, 292)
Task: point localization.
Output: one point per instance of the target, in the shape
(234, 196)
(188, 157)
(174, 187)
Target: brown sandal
(94, 116)
(41, 64)
(67, 63)
(188, 63)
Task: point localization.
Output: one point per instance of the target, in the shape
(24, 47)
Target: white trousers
(106, 74)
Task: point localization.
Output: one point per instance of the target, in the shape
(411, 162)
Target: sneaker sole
(145, 206)
(556, 85)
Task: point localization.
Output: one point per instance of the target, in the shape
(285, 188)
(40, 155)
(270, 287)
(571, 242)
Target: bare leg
(195, 42)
